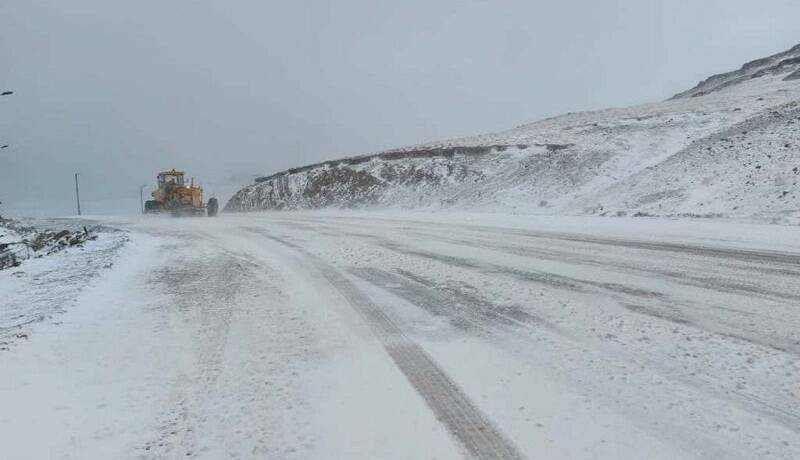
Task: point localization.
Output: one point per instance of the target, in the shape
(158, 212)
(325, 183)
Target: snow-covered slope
(730, 146)
(786, 63)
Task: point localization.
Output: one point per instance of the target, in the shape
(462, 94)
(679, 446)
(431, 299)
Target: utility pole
(77, 194)
(141, 196)
(5, 93)
(5, 146)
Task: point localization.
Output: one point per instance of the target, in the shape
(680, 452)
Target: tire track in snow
(756, 266)
(765, 403)
(661, 305)
(765, 256)
(465, 311)
(202, 293)
(537, 276)
(470, 427)
(483, 319)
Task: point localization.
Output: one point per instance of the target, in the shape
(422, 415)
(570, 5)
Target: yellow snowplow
(178, 198)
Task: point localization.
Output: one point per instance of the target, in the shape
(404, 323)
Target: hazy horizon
(228, 92)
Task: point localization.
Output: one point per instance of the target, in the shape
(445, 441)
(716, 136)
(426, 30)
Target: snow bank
(49, 270)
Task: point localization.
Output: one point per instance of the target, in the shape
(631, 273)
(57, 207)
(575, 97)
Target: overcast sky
(227, 90)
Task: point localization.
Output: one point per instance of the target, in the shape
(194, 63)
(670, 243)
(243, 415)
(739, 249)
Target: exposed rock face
(360, 181)
(730, 146)
(363, 181)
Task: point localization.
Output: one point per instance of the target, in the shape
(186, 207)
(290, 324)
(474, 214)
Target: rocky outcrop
(364, 180)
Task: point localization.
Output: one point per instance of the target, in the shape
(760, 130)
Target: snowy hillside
(786, 63)
(730, 146)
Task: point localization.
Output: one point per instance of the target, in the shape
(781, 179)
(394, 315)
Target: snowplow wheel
(213, 207)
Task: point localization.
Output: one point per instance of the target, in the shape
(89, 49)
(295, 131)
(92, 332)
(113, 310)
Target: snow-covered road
(417, 335)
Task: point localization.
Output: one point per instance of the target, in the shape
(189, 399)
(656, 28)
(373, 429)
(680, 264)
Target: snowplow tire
(213, 207)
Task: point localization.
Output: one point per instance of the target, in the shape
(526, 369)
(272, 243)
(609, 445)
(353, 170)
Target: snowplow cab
(176, 196)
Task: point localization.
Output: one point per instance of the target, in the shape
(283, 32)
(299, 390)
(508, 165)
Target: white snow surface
(734, 151)
(9, 236)
(347, 334)
(45, 285)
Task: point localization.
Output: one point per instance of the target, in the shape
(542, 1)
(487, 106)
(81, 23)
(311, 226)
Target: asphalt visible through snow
(351, 335)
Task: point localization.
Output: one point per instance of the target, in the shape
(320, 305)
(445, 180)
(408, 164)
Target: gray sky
(226, 90)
